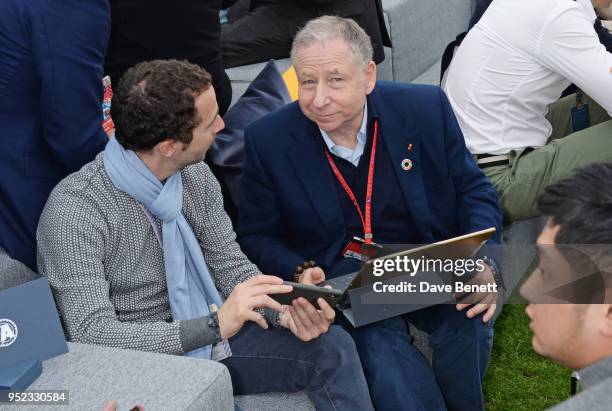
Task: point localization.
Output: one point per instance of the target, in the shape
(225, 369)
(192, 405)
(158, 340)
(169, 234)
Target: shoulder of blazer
(278, 126)
(407, 91)
(412, 103)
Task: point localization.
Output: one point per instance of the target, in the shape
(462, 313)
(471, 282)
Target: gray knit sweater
(106, 268)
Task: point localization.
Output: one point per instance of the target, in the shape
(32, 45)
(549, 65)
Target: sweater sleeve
(72, 242)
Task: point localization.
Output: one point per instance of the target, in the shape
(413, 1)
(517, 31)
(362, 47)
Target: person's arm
(604, 13)
(69, 41)
(477, 200)
(477, 208)
(569, 46)
(72, 241)
(604, 35)
(213, 228)
(260, 226)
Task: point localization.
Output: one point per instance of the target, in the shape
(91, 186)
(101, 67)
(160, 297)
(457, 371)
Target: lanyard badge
(580, 114)
(359, 248)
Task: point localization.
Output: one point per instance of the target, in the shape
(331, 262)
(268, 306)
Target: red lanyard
(367, 221)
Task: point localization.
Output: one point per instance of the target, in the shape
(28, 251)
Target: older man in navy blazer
(51, 69)
(304, 161)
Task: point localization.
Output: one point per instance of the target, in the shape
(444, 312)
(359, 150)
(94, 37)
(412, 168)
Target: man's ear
(549, 232)
(370, 75)
(606, 326)
(167, 148)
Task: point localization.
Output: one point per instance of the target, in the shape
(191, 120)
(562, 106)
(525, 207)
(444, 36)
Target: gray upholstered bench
(94, 374)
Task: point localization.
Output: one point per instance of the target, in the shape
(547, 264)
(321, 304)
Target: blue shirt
(352, 156)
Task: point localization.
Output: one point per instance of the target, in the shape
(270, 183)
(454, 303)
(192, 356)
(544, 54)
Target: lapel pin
(410, 147)
(407, 164)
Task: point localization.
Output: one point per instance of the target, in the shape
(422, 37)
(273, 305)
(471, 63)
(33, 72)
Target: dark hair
(581, 205)
(155, 101)
(587, 283)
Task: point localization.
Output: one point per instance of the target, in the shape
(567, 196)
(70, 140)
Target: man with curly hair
(140, 254)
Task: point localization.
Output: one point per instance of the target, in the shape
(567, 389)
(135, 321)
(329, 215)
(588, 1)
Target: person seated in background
(479, 9)
(186, 30)
(605, 37)
(52, 54)
(140, 253)
(267, 31)
(572, 323)
(296, 205)
(603, 13)
(502, 83)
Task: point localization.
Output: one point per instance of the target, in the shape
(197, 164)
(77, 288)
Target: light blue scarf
(190, 286)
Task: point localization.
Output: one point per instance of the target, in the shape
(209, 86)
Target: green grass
(519, 379)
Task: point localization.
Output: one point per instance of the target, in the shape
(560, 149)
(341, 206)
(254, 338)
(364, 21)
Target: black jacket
(367, 13)
(144, 30)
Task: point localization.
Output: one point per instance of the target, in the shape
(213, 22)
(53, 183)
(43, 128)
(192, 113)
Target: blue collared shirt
(345, 153)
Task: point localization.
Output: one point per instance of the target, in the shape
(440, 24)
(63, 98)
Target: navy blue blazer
(289, 208)
(51, 70)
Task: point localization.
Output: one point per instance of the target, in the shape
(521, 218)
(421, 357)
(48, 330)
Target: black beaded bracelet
(299, 270)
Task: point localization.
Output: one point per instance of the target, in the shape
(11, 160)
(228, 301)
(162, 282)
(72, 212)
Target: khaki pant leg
(559, 115)
(521, 183)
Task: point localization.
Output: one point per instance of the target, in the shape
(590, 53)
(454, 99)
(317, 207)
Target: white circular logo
(8, 332)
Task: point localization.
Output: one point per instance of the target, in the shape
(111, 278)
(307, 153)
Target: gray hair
(330, 28)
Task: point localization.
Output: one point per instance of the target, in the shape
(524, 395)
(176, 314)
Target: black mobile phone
(310, 293)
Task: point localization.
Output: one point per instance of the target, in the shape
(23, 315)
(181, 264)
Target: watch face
(213, 320)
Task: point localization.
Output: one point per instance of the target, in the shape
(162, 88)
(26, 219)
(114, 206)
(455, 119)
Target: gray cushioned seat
(94, 374)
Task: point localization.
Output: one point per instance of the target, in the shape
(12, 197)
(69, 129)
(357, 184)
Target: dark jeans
(327, 368)
(399, 376)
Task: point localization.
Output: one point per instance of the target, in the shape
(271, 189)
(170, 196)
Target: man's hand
(302, 318)
(305, 321)
(245, 297)
(111, 405)
(312, 276)
(482, 302)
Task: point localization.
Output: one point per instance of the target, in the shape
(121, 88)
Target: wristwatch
(213, 325)
(495, 270)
